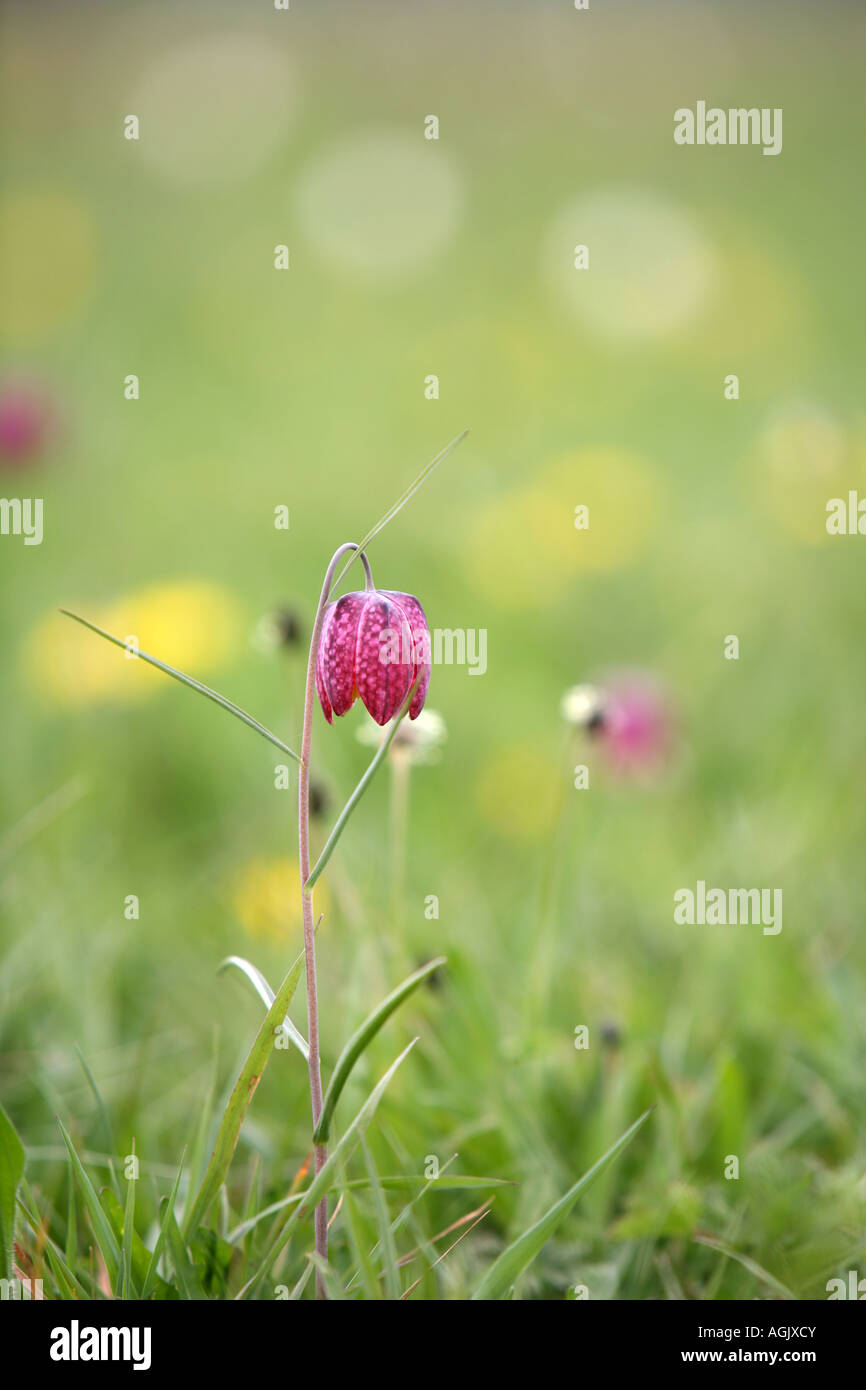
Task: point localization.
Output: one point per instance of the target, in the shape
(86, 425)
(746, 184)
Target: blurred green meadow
(309, 388)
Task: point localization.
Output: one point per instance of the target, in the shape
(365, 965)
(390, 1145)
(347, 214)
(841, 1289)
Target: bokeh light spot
(803, 457)
(650, 269)
(47, 246)
(380, 204)
(215, 110)
(526, 543)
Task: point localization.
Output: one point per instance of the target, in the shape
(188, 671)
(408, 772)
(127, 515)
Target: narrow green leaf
(360, 1246)
(151, 1278)
(402, 1182)
(328, 1173)
(333, 1288)
(184, 1269)
(190, 681)
(513, 1260)
(104, 1120)
(71, 1224)
(206, 1127)
(401, 502)
(266, 994)
(66, 1280)
(62, 1276)
(362, 1039)
(104, 1235)
(11, 1170)
(722, 1248)
(239, 1101)
(126, 1248)
(343, 818)
(211, 1259)
(407, 1217)
(298, 1291)
(140, 1258)
(393, 1285)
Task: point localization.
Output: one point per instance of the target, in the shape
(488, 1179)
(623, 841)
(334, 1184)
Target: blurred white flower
(420, 740)
(583, 706)
(380, 204)
(652, 267)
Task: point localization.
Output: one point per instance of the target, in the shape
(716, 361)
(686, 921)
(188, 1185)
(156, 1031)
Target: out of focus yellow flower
(194, 625)
(534, 539)
(49, 238)
(266, 896)
(803, 457)
(759, 326)
(518, 793)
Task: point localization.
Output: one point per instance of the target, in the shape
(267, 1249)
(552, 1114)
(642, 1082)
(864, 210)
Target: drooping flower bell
(375, 645)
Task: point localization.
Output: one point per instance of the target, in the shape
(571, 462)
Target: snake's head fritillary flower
(374, 645)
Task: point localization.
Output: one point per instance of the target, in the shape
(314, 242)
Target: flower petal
(421, 644)
(327, 711)
(337, 651)
(383, 673)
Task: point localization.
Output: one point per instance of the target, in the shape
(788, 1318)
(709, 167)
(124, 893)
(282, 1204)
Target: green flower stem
(401, 770)
(320, 1151)
(343, 818)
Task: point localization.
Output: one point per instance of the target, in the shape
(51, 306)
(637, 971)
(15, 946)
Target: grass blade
(330, 1170)
(393, 1285)
(200, 1138)
(150, 1278)
(193, 684)
(239, 1101)
(105, 1122)
(401, 1182)
(11, 1170)
(401, 502)
(470, 1221)
(60, 1267)
(762, 1275)
(71, 1225)
(266, 994)
(184, 1269)
(513, 1260)
(359, 1246)
(298, 1291)
(333, 1287)
(126, 1246)
(362, 1039)
(104, 1235)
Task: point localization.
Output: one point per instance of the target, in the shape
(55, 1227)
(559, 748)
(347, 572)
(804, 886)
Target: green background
(306, 388)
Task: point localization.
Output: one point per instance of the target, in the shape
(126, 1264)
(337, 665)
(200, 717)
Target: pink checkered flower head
(375, 645)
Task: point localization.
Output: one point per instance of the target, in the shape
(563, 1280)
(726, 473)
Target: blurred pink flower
(636, 727)
(630, 716)
(26, 420)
